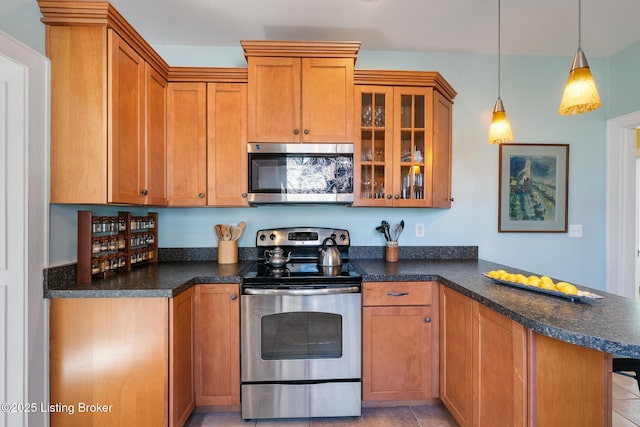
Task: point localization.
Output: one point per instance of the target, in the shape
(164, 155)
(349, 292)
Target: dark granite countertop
(165, 280)
(608, 324)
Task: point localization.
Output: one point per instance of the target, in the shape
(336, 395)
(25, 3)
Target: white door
(12, 239)
(24, 107)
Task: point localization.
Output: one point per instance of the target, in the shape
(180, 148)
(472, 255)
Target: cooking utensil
(386, 226)
(381, 230)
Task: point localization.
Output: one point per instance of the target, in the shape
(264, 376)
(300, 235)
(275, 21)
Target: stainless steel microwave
(300, 173)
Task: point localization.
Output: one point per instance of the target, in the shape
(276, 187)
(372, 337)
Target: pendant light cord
(579, 24)
(498, 49)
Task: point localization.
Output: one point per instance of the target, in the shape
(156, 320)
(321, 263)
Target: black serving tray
(580, 296)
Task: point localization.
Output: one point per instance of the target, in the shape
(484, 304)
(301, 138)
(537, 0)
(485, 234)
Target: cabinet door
(125, 107)
(373, 145)
(327, 100)
(396, 353)
(455, 355)
(187, 144)
(499, 370)
(217, 344)
(155, 138)
(78, 155)
(181, 335)
(413, 149)
(112, 351)
(274, 99)
(441, 159)
(227, 144)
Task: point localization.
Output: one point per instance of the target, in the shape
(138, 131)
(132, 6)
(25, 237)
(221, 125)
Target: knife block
(227, 251)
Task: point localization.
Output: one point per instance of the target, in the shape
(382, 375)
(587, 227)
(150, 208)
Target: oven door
(301, 334)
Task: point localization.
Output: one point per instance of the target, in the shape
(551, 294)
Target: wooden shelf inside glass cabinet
(111, 244)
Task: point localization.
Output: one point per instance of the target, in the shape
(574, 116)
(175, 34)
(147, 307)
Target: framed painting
(533, 188)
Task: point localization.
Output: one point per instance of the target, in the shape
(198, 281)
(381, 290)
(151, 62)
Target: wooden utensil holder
(227, 251)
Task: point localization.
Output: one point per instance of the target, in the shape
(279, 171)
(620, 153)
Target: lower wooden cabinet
(400, 341)
(217, 358)
(496, 372)
(182, 398)
(483, 363)
(112, 352)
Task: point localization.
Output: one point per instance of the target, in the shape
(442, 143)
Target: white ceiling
(529, 27)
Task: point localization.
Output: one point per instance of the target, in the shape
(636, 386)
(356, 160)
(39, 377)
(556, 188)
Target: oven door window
(301, 335)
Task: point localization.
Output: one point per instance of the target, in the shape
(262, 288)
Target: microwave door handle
(302, 292)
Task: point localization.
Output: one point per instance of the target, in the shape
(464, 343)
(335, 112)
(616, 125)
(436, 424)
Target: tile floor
(626, 413)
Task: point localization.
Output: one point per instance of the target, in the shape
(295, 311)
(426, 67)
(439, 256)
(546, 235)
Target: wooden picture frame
(533, 189)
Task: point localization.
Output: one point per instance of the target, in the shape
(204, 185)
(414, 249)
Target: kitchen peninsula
(563, 347)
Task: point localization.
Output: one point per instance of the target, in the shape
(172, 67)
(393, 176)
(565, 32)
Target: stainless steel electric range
(301, 327)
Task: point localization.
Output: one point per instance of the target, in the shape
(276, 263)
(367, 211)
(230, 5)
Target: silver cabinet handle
(306, 292)
(144, 192)
(296, 131)
(234, 297)
(397, 294)
(427, 319)
(306, 131)
(201, 195)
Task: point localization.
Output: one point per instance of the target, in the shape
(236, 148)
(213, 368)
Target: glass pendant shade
(580, 94)
(500, 129)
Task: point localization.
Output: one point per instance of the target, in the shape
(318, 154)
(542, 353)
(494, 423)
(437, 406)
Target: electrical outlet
(575, 230)
(420, 230)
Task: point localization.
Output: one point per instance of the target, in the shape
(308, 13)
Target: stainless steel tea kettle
(329, 255)
(276, 257)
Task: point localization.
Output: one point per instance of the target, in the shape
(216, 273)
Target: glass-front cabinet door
(373, 146)
(402, 151)
(412, 152)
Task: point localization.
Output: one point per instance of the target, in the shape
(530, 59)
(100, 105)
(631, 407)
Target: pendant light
(580, 94)
(500, 129)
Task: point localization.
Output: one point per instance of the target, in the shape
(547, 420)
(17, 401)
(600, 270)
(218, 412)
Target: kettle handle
(324, 243)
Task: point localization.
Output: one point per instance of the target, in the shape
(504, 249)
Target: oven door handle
(302, 292)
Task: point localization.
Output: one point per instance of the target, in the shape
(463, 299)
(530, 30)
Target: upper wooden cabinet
(227, 144)
(403, 139)
(99, 118)
(187, 144)
(300, 91)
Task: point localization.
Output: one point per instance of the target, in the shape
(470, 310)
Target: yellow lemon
(511, 277)
(533, 281)
(522, 279)
(569, 289)
(502, 275)
(561, 285)
(493, 274)
(532, 277)
(546, 279)
(544, 284)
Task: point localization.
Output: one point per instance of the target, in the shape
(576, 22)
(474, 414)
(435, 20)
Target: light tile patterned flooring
(626, 413)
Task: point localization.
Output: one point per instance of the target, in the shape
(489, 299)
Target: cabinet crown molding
(301, 49)
(405, 78)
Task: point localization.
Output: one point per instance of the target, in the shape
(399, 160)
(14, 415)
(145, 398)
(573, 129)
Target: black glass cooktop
(262, 273)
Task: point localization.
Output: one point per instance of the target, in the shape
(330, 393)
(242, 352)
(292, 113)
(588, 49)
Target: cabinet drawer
(397, 293)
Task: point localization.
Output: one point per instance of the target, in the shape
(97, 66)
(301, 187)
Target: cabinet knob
(296, 131)
(397, 196)
(389, 196)
(201, 195)
(451, 199)
(427, 319)
(244, 195)
(234, 297)
(144, 192)
(306, 131)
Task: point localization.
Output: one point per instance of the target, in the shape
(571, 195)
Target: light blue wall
(531, 89)
(624, 81)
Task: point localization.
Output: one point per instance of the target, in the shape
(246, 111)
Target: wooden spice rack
(111, 244)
